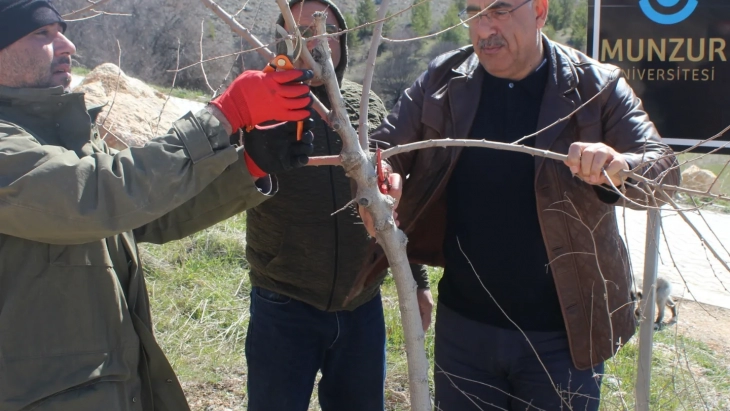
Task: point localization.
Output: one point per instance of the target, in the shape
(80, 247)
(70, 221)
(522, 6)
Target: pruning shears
(285, 61)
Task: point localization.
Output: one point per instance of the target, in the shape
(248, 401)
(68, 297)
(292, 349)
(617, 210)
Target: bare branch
(324, 161)
(368, 80)
(99, 13)
(676, 267)
(74, 14)
(534, 350)
(449, 142)
(702, 238)
(202, 66)
(560, 120)
(116, 90)
(238, 29)
(243, 8)
(172, 87)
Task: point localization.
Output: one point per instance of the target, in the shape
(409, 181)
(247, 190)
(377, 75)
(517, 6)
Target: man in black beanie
(34, 63)
(75, 325)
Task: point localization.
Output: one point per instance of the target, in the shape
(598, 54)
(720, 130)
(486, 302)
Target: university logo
(672, 18)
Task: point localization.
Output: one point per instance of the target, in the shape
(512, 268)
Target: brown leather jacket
(591, 272)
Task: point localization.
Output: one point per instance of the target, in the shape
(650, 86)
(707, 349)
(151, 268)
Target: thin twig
(534, 350)
(244, 8)
(388, 40)
(697, 232)
(119, 76)
(487, 385)
(462, 391)
(560, 120)
(676, 267)
(99, 13)
(324, 161)
(202, 66)
(449, 142)
(72, 15)
(169, 95)
(239, 29)
(368, 80)
(349, 203)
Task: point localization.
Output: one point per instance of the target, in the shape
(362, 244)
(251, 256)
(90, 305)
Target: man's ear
(541, 12)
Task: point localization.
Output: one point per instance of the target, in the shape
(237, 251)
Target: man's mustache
(64, 60)
(492, 41)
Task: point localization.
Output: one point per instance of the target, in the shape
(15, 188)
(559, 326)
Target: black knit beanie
(19, 18)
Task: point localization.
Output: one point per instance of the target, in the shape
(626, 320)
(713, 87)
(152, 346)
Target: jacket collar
(52, 115)
(560, 99)
(465, 90)
(39, 101)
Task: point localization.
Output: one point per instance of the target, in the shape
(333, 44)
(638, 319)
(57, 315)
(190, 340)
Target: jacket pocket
(78, 382)
(67, 310)
(73, 305)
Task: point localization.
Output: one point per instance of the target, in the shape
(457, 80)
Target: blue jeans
(288, 341)
(483, 367)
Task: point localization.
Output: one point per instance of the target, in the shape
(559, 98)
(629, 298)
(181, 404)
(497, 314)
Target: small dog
(663, 300)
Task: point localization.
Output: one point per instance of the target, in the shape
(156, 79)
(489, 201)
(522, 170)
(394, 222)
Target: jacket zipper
(337, 228)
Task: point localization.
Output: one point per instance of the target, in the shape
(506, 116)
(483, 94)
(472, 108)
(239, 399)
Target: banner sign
(674, 54)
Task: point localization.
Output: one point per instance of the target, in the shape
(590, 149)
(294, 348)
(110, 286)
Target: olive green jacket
(75, 326)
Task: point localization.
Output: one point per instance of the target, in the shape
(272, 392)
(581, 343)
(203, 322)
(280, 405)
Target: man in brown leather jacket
(530, 245)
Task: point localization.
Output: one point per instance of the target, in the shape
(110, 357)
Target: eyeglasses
(491, 14)
(308, 31)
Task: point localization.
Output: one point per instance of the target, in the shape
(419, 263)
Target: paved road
(698, 275)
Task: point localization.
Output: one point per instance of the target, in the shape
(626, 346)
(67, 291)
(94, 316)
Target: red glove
(255, 97)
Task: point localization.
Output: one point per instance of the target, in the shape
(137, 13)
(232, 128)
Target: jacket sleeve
(628, 130)
(403, 125)
(50, 194)
(233, 192)
(420, 274)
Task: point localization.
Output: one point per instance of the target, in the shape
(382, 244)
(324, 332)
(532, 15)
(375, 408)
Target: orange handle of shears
(282, 63)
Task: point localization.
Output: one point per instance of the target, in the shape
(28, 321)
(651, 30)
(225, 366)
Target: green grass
(673, 385)
(199, 291)
(79, 71)
(187, 94)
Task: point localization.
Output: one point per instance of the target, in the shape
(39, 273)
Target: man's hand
(395, 191)
(588, 160)
(274, 150)
(255, 97)
(425, 306)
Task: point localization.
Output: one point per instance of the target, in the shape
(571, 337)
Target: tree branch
(74, 14)
(369, 71)
(358, 166)
(239, 29)
(449, 142)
